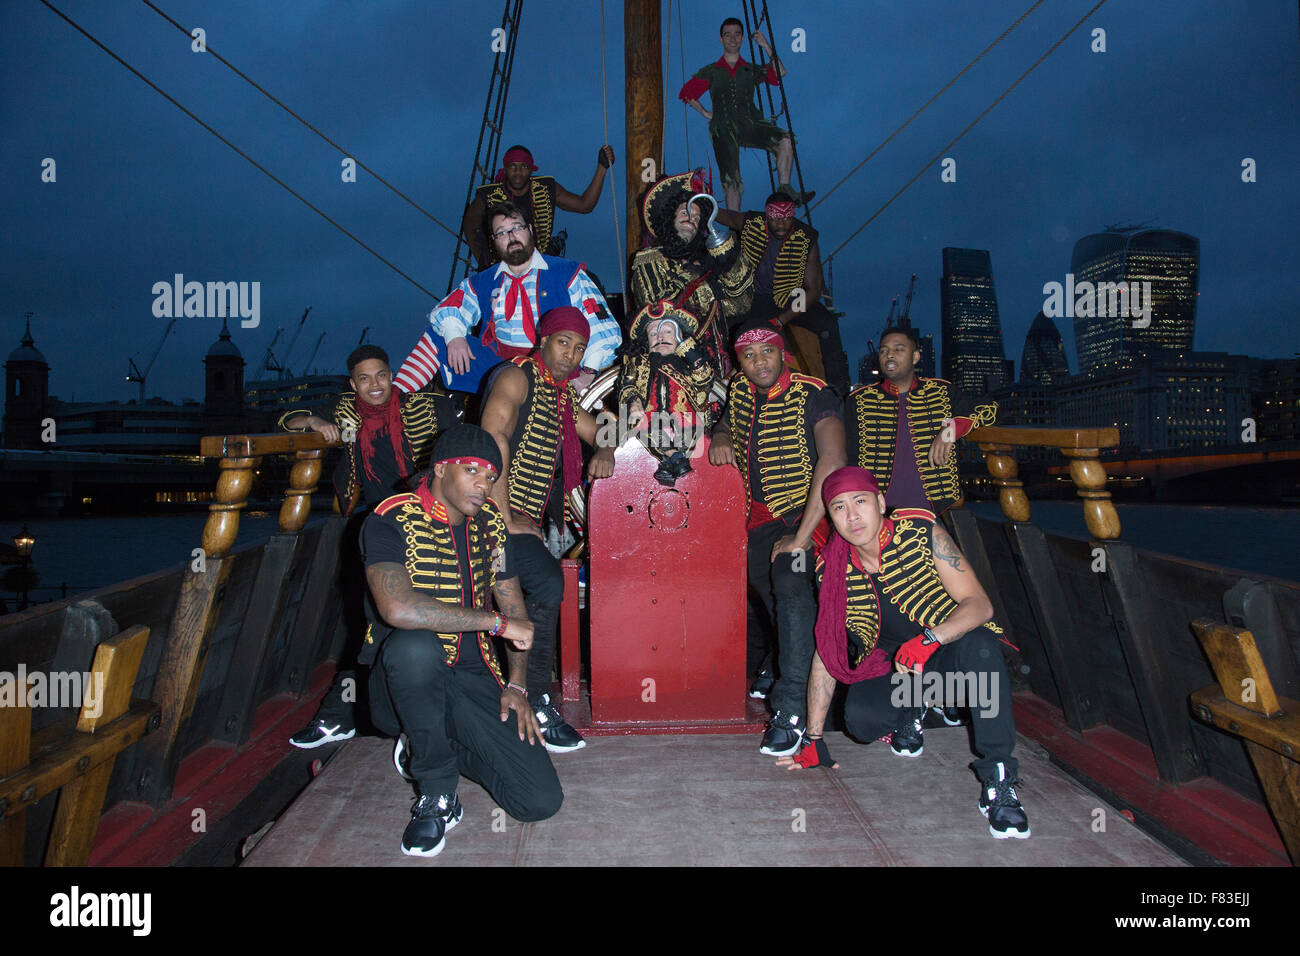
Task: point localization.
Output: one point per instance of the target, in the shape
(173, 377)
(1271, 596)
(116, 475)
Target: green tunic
(737, 121)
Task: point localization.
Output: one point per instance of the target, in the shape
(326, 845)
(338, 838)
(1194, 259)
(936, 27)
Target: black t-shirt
(821, 404)
(382, 541)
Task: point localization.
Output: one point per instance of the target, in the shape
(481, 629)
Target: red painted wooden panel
(667, 593)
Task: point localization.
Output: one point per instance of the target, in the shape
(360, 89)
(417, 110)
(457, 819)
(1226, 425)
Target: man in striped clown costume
(505, 304)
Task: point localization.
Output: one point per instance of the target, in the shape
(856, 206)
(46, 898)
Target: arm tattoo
(391, 586)
(945, 549)
(821, 688)
(510, 600)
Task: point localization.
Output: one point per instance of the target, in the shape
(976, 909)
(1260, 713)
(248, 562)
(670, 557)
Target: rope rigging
(939, 155)
(279, 182)
(604, 103)
(350, 155)
(907, 122)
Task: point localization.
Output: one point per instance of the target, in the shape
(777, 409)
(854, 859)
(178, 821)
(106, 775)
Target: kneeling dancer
(897, 591)
(431, 558)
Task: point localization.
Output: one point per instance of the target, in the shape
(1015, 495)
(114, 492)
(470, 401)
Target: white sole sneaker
(399, 748)
(413, 851)
(328, 736)
(551, 748)
(1004, 834)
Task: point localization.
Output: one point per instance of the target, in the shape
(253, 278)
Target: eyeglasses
(502, 233)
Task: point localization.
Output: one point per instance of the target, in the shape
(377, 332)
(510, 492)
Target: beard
(517, 257)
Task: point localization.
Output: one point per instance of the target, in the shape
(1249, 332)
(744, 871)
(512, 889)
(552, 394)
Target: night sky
(1153, 130)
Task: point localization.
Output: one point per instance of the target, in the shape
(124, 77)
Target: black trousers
(970, 667)
(542, 582)
(452, 720)
(784, 589)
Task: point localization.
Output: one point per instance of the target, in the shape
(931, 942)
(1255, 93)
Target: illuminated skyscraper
(1168, 260)
(1043, 360)
(973, 359)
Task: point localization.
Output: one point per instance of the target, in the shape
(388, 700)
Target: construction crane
(285, 372)
(306, 369)
(364, 332)
(905, 317)
(889, 319)
(135, 375)
(270, 364)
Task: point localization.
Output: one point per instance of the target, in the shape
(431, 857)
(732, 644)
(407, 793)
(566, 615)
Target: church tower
(223, 395)
(27, 393)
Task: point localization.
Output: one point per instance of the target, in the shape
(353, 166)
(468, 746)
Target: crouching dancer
(897, 591)
(431, 557)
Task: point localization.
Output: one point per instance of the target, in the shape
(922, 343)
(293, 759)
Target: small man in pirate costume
(665, 385)
(903, 428)
(505, 303)
(897, 598)
(692, 266)
(387, 437)
(432, 557)
(532, 411)
(788, 285)
(735, 121)
(537, 197)
(783, 432)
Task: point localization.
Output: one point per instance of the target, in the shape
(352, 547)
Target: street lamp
(24, 541)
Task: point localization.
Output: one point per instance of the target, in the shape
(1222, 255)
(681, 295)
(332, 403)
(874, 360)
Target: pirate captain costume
(678, 385)
(713, 283)
(443, 691)
(868, 620)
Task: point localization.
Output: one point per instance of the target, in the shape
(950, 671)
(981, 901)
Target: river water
(86, 553)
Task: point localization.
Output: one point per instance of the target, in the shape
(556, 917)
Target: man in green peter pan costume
(735, 120)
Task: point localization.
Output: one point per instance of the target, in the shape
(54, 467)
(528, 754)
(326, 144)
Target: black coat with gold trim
(871, 421)
(432, 563)
(535, 461)
(791, 260)
(424, 416)
(909, 581)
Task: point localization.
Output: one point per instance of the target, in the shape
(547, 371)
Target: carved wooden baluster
(233, 486)
(1011, 492)
(302, 482)
(1090, 479)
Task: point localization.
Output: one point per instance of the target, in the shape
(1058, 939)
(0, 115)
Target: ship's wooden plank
(245, 674)
(81, 800)
(1080, 700)
(1048, 437)
(1238, 666)
(1159, 698)
(15, 750)
(320, 590)
(968, 537)
(179, 674)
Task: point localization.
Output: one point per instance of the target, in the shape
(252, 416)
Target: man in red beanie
(897, 598)
(531, 409)
(537, 196)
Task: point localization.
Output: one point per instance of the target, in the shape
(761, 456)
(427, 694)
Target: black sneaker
(762, 685)
(907, 740)
(784, 735)
(402, 758)
(949, 715)
(557, 736)
(998, 802)
(323, 732)
(431, 818)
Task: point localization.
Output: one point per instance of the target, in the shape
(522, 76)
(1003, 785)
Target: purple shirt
(905, 488)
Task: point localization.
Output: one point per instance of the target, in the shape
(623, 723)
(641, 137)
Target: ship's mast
(643, 98)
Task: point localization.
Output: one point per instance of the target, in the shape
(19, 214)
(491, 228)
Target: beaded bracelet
(513, 686)
(500, 627)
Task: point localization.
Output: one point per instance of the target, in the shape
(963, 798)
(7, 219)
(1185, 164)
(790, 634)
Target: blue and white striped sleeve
(606, 336)
(454, 316)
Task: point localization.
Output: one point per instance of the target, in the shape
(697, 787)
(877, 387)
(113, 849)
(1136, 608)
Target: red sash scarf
(376, 418)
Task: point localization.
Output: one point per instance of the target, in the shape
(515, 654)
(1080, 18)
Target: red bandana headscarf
(779, 210)
(832, 601)
(565, 318)
(374, 419)
(516, 155)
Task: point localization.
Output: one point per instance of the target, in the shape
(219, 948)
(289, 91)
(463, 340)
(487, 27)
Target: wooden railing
(203, 590)
(1081, 445)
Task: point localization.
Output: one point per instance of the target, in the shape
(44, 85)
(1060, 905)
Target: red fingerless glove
(917, 651)
(814, 754)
